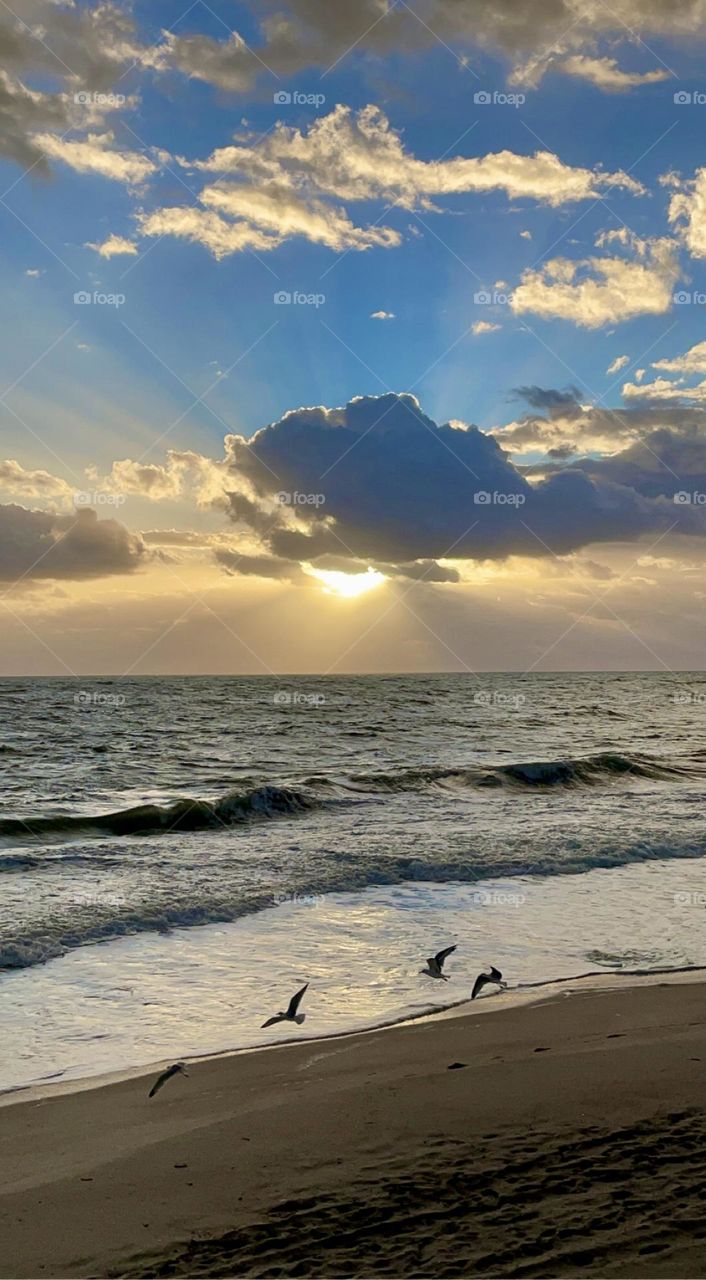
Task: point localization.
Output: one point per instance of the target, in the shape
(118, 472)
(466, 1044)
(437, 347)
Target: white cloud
(687, 212)
(114, 246)
(663, 389)
(282, 185)
(95, 154)
(484, 326)
(605, 73)
(280, 210)
(598, 291)
(361, 157)
(618, 364)
(382, 315)
(20, 482)
(201, 226)
(693, 361)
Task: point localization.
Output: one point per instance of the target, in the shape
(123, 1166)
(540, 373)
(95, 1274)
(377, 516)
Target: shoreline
(529, 993)
(562, 1136)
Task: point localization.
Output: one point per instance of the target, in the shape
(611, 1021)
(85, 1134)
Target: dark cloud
(556, 404)
(395, 488)
(81, 49)
(295, 34)
(261, 566)
(40, 544)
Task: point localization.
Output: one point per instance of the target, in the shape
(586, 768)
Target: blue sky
(574, 198)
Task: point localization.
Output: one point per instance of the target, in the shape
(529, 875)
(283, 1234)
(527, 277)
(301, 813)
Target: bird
(177, 1068)
(436, 963)
(291, 1014)
(484, 978)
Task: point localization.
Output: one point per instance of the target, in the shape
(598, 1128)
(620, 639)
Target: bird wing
(271, 1022)
(495, 974)
(294, 1002)
(441, 955)
(479, 984)
(166, 1075)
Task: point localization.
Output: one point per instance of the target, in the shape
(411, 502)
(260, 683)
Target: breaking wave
(270, 801)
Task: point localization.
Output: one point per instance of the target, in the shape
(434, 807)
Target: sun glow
(347, 585)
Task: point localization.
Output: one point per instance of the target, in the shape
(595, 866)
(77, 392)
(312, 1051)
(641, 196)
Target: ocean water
(178, 855)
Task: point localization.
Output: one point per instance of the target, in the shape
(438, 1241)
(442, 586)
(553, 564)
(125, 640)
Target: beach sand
(571, 1142)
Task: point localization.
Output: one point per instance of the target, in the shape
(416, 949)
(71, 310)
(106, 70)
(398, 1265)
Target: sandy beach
(559, 1138)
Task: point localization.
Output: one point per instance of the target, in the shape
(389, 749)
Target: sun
(347, 585)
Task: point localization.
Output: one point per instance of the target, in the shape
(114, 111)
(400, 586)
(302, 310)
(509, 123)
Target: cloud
(80, 51)
(198, 226)
(618, 364)
(114, 246)
(692, 361)
(397, 488)
(687, 211)
(382, 315)
(605, 73)
(96, 154)
(360, 156)
(562, 427)
(484, 326)
(316, 33)
(662, 389)
(32, 484)
(43, 545)
(295, 182)
(598, 291)
(261, 566)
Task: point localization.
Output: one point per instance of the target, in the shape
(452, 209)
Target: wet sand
(563, 1138)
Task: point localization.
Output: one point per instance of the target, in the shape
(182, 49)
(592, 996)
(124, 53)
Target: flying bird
(291, 1014)
(177, 1068)
(436, 963)
(484, 978)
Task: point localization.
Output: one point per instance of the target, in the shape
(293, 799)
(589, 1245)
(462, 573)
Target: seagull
(177, 1068)
(436, 963)
(291, 1014)
(484, 978)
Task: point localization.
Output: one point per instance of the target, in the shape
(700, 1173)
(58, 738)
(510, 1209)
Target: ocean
(178, 855)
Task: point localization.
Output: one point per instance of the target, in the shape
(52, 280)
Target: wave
(269, 801)
(188, 814)
(96, 921)
(573, 772)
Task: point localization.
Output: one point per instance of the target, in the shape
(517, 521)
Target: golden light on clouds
(347, 585)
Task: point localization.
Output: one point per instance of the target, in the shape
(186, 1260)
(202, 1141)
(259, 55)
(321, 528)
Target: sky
(352, 337)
